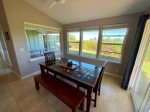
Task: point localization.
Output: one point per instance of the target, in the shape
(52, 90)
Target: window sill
(37, 59)
(99, 59)
(43, 58)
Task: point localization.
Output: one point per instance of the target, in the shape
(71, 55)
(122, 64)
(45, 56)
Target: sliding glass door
(142, 84)
(141, 74)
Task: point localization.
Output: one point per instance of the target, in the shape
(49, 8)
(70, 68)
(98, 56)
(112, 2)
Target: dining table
(83, 74)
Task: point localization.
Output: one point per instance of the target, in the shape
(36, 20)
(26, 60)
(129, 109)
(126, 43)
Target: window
(112, 43)
(73, 42)
(89, 43)
(106, 43)
(40, 41)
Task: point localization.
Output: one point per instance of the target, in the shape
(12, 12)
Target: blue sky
(87, 35)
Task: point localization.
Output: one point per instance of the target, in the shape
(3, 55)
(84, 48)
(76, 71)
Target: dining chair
(49, 60)
(49, 57)
(98, 84)
(97, 87)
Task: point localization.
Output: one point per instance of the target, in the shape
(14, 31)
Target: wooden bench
(71, 96)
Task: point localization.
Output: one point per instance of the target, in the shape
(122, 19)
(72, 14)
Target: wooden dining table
(84, 74)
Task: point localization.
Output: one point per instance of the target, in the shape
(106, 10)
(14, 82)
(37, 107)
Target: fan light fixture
(60, 1)
(55, 2)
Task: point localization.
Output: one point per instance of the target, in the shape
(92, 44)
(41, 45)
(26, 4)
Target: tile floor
(21, 96)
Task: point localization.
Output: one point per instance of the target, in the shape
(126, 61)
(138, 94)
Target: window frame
(30, 26)
(124, 41)
(74, 42)
(99, 42)
(89, 29)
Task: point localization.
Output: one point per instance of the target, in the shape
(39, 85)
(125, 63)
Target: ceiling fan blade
(52, 4)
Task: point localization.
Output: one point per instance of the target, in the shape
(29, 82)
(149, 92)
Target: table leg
(36, 84)
(89, 98)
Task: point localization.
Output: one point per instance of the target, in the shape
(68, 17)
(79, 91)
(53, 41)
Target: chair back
(100, 76)
(103, 69)
(49, 57)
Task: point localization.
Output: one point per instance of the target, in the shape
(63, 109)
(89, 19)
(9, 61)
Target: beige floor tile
(43, 107)
(9, 105)
(21, 96)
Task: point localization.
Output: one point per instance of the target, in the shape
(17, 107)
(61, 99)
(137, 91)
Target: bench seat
(68, 94)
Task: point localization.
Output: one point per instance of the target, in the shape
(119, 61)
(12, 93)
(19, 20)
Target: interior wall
(112, 67)
(147, 11)
(18, 12)
(10, 47)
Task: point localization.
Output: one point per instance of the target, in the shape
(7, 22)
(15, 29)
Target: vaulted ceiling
(82, 10)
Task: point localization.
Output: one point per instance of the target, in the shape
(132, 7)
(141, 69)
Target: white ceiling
(82, 10)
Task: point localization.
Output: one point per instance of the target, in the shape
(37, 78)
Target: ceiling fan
(54, 2)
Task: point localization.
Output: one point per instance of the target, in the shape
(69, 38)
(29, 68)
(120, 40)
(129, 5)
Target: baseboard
(17, 74)
(32, 74)
(114, 75)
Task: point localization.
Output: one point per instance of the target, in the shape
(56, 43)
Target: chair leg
(99, 90)
(95, 99)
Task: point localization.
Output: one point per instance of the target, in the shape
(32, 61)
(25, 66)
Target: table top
(84, 73)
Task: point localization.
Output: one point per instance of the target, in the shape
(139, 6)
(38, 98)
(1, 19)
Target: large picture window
(105, 43)
(89, 43)
(73, 42)
(112, 43)
(40, 42)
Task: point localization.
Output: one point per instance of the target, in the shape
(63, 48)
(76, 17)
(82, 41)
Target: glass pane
(112, 42)
(74, 36)
(74, 48)
(35, 43)
(110, 56)
(73, 42)
(89, 45)
(112, 48)
(39, 42)
(143, 82)
(54, 42)
(115, 32)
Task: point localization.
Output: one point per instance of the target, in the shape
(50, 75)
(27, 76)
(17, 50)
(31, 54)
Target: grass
(146, 68)
(92, 54)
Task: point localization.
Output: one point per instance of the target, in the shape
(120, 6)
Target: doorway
(5, 62)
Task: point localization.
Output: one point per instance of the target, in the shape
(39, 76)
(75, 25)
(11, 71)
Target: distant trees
(113, 49)
(72, 37)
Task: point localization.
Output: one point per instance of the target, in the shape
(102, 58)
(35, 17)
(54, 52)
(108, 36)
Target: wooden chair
(49, 60)
(98, 84)
(49, 57)
(97, 87)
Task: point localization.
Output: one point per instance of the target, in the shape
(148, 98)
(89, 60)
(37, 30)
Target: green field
(91, 54)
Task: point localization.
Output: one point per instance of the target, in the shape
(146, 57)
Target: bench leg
(82, 106)
(36, 84)
(73, 110)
